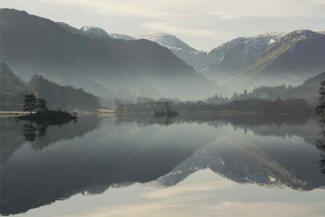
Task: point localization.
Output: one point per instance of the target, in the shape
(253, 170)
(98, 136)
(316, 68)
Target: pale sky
(203, 24)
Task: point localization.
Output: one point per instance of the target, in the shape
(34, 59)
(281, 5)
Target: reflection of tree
(321, 144)
(29, 132)
(322, 163)
(32, 131)
(321, 112)
(13, 133)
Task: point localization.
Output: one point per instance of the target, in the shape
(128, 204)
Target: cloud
(196, 21)
(161, 8)
(174, 29)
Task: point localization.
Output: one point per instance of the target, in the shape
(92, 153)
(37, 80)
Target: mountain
(94, 32)
(237, 55)
(197, 59)
(104, 66)
(64, 97)
(295, 57)
(12, 89)
(122, 36)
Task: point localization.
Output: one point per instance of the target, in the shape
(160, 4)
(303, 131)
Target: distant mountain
(13, 90)
(237, 55)
(197, 59)
(103, 66)
(295, 57)
(122, 36)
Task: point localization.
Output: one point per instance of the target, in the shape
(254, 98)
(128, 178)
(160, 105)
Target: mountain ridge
(103, 66)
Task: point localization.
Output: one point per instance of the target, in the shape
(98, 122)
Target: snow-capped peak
(169, 41)
(94, 31)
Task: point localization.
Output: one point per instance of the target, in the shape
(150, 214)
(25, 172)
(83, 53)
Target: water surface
(137, 165)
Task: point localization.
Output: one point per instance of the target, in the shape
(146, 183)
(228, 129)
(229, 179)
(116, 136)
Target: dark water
(192, 165)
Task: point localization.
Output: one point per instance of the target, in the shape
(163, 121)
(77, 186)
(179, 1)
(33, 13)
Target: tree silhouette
(41, 105)
(29, 103)
(29, 132)
(321, 104)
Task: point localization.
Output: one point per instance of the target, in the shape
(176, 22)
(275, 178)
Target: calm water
(198, 165)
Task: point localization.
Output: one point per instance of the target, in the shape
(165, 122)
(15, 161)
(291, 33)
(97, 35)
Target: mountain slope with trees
(103, 65)
(307, 91)
(65, 97)
(13, 90)
(297, 56)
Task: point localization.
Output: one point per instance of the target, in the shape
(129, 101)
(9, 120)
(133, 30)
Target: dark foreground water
(195, 165)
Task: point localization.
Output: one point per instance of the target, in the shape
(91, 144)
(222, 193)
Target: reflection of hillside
(321, 144)
(11, 138)
(263, 125)
(14, 133)
(284, 162)
(56, 133)
(91, 164)
(143, 149)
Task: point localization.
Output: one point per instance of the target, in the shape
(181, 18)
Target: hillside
(307, 91)
(237, 55)
(13, 90)
(64, 97)
(297, 56)
(104, 66)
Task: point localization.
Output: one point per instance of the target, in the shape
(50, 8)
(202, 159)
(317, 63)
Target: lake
(139, 165)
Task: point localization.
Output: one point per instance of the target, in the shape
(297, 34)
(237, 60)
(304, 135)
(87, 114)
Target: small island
(39, 113)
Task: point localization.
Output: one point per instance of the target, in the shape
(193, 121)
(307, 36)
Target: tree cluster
(31, 103)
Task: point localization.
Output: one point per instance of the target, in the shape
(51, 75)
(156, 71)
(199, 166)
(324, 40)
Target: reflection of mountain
(12, 89)
(264, 164)
(14, 133)
(92, 163)
(12, 137)
(260, 124)
(238, 149)
(270, 161)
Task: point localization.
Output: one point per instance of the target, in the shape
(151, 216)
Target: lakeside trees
(321, 103)
(29, 103)
(32, 103)
(277, 106)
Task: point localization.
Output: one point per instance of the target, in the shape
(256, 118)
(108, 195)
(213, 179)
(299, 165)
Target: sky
(203, 24)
